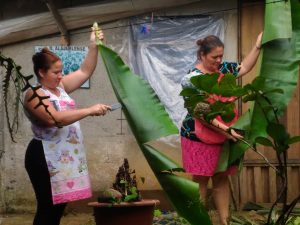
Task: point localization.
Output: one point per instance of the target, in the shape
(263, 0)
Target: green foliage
(270, 93)
(280, 136)
(227, 87)
(157, 213)
(224, 109)
(276, 135)
(264, 141)
(278, 74)
(294, 139)
(208, 87)
(134, 195)
(191, 102)
(295, 220)
(205, 84)
(188, 92)
(126, 184)
(151, 122)
(21, 83)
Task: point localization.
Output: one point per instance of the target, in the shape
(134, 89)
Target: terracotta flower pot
(125, 213)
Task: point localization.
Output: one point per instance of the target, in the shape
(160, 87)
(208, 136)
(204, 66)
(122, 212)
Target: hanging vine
(21, 83)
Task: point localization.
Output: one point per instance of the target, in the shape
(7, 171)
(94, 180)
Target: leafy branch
(126, 184)
(21, 83)
(199, 104)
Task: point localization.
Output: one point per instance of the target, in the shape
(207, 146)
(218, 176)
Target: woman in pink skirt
(199, 158)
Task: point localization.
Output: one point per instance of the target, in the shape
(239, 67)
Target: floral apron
(65, 155)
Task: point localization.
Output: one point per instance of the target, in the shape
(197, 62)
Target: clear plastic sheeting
(162, 50)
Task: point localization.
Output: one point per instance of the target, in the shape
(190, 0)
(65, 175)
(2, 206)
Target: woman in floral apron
(200, 157)
(55, 158)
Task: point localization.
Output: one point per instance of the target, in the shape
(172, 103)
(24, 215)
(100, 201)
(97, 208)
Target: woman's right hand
(99, 110)
(259, 40)
(235, 135)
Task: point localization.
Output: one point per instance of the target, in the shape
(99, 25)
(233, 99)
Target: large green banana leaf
(149, 121)
(141, 106)
(183, 193)
(279, 66)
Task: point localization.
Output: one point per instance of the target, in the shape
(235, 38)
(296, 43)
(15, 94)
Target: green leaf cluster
(270, 93)
(149, 121)
(207, 86)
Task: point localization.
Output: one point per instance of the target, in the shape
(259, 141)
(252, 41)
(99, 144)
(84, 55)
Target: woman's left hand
(258, 41)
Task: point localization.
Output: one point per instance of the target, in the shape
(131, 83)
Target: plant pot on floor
(124, 213)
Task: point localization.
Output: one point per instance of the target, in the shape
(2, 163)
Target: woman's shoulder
(195, 71)
(186, 79)
(192, 72)
(36, 89)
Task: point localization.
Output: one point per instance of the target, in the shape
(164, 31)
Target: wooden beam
(65, 37)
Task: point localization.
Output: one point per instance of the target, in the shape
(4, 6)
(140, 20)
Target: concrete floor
(75, 218)
(26, 219)
(87, 219)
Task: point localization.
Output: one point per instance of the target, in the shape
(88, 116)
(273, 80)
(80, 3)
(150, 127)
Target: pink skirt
(202, 159)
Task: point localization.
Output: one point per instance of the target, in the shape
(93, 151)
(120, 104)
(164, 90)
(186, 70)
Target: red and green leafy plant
(126, 183)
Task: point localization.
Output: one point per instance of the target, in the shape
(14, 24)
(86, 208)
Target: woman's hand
(99, 110)
(258, 41)
(75, 79)
(96, 33)
(235, 135)
(249, 61)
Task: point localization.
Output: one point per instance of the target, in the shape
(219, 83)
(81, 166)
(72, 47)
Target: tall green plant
(277, 136)
(279, 68)
(270, 93)
(149, 121)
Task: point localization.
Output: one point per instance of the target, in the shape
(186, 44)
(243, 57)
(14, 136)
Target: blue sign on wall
(71, 56)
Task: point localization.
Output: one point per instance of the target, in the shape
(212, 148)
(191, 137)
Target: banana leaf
(183, 193)
(185, 198)
(279, 67)
(144, 112)
(149, 121)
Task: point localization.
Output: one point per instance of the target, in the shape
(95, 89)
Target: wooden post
(65, 37)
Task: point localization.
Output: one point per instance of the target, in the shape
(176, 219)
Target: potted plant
(123, 204)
